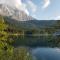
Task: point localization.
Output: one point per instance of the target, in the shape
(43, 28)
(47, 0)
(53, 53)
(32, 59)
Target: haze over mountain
(14, 13)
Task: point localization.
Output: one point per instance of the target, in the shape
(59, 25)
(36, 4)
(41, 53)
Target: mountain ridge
(14, 13)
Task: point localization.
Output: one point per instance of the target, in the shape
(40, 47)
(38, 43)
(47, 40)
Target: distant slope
(30, 24)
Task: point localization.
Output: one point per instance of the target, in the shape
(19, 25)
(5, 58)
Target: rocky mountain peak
(14, 13)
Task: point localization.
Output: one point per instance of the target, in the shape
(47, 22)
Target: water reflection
(35, 41)
(46, 53)
(41, 41)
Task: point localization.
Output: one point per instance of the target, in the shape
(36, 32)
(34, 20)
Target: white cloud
(31, 6)
(15, 3)
(46, 3)
(11, 2)
(57, 18)
(23, 7)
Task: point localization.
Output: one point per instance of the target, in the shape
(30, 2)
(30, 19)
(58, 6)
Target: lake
(41, 46)
(35, 41)
(46, 53)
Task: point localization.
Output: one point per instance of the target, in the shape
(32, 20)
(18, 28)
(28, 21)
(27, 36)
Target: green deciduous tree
(5, 47)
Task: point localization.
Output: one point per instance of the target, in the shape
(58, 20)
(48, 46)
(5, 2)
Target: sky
(39, 9)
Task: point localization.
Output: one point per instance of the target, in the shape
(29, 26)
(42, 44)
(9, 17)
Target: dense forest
(11, 37)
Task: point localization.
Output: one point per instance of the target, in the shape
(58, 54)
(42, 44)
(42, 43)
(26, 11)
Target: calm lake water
(40, 53)
(46, 53)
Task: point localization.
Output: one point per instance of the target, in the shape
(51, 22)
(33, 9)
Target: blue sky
(39, 9)
(43, 9)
